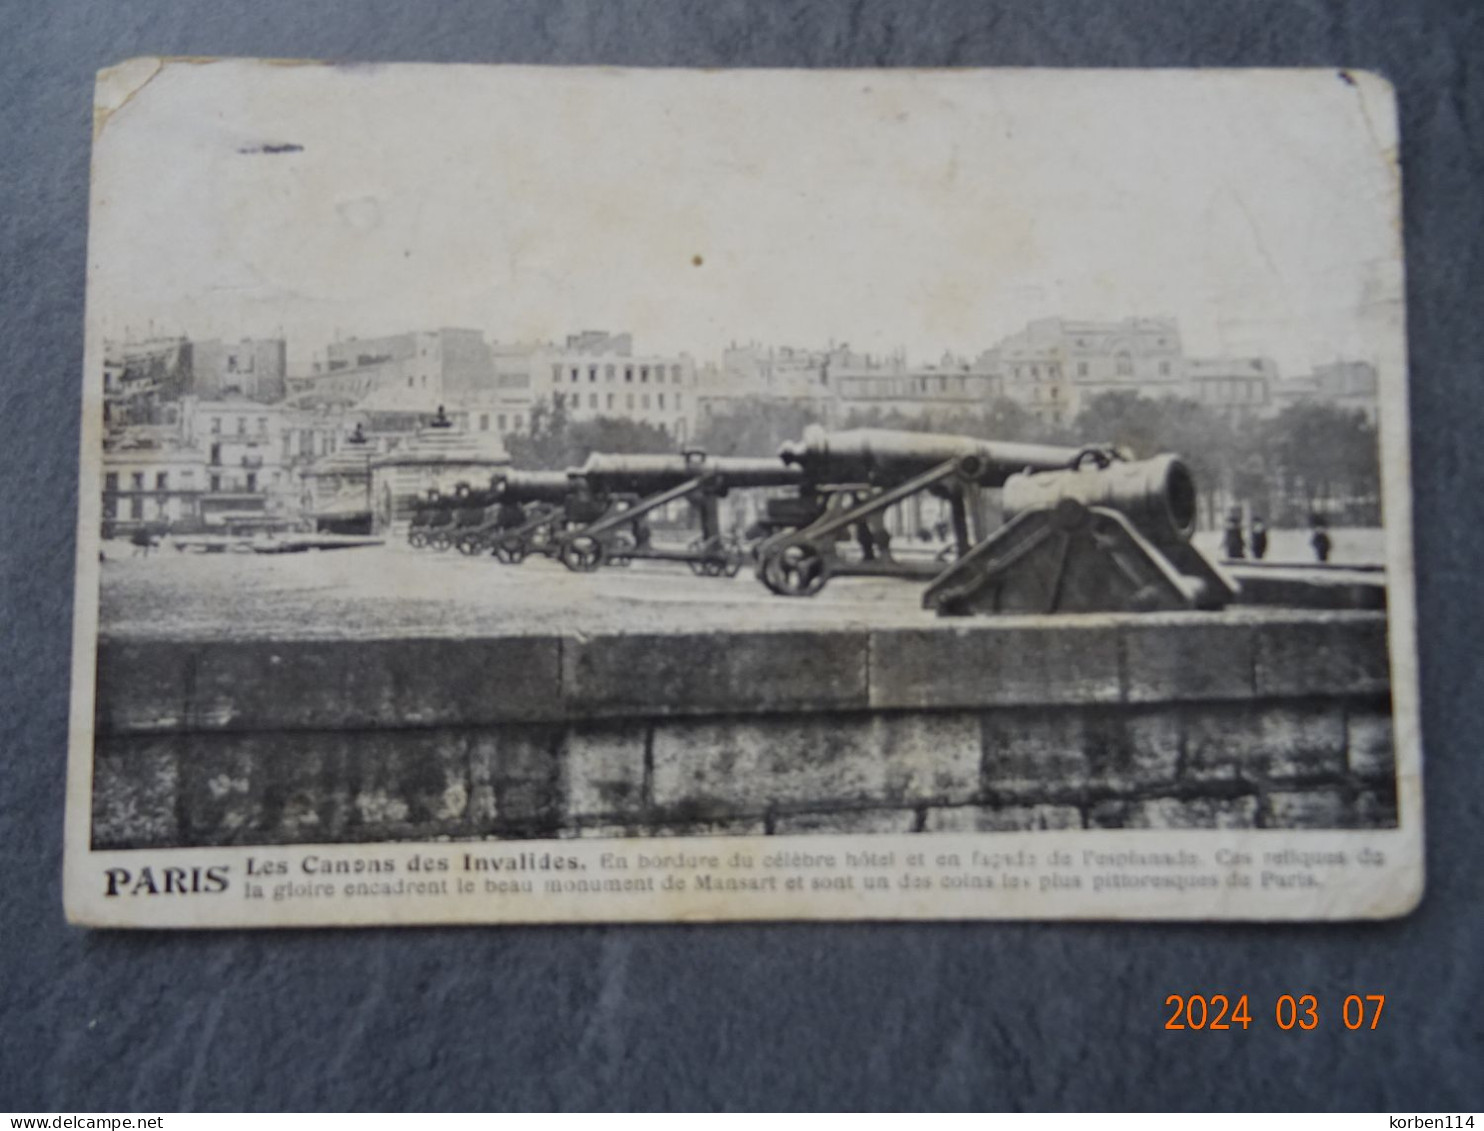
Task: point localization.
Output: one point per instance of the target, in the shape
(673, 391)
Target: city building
(1055, 365)
(612, 381)
(1238, 388)
(141, 377)
(151, 482)
(441, 364)
(251, 451)
(1351, 385)
(254, 368)
(939, 392)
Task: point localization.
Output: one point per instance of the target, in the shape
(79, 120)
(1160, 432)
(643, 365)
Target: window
(216, 482)
(592, 375)
(628, 373)
(592, 400)
(1125, 365)
(519, 423)
(484, 422)
(1035, 372)
(1055, 371)
(111, 481)
(500, 421)
(610, 400)
(660, 400)
(1055, 392)
(675, 374)
(556, 373)
(411, 383)
(242, 426)
(559, 399)
(162, 480)
(138, 480)
(216, 425)
(645, 401)
(252, 480)
(1082, 369)
(576, 373)
(1164, 368)
(631, 402)
(608, 373)
(643, 374)
(677, 400)
(136, 507)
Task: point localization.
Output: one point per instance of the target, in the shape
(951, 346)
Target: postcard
(533, 494)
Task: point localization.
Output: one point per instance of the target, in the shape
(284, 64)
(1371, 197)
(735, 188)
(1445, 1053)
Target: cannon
(630, 487)
(529, 506)
(431, 514)
(1106, 536)
(850, 479)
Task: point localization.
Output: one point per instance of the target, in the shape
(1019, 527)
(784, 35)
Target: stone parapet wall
(1233, 719)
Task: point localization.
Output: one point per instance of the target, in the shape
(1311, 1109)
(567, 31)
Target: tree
(556, 441)
(1323, 458)
(755, 426)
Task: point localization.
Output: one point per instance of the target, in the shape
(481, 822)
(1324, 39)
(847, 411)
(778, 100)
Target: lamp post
(358, 439)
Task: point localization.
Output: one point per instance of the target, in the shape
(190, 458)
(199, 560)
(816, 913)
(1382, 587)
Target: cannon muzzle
(884, 457)
(1157, 496)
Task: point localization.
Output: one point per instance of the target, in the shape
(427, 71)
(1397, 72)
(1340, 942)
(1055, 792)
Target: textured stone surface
(1008, 818)
(957, 665)
(702, 673)
(847, 821)
(1265, 741)
(1370, 742)
(1176, 813)
(1187, 656)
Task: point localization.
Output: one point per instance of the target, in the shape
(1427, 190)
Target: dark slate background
(983, 1015)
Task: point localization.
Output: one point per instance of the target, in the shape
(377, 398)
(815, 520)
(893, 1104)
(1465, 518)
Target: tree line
(1310, 458)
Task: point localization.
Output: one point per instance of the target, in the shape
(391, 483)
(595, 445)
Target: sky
(928, 211)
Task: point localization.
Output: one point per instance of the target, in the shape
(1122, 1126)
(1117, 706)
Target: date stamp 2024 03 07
(670, 495)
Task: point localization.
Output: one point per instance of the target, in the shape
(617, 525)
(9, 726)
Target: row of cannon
(1082, 529)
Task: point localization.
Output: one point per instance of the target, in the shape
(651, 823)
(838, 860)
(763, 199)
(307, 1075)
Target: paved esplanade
(393, 590)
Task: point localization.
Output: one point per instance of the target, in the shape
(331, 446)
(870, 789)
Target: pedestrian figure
(1235, 545)
(1320, 539)
(1259, 539)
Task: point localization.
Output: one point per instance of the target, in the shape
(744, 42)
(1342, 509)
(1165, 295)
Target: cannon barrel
(531, 486)
(1158, 496)
(883, 457)
(647, 474)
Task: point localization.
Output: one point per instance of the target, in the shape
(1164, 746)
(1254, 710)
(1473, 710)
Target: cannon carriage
(432, 513)
(853, 478)
(633, 487)
(1085, 530)
(530, 508)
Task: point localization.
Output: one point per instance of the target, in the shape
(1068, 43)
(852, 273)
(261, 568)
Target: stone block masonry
(1237, 719)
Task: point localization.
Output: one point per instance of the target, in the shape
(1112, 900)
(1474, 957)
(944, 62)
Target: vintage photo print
(518, 494)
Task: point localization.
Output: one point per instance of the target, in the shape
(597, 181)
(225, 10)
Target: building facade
(1238, 388)
(1055, 365)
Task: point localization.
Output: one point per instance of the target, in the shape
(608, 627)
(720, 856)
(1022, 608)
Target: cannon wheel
(417, 539)
(467, 544)
(698, 563)
(582, 554)
(799, 570)
(440, 541)
(509, 553)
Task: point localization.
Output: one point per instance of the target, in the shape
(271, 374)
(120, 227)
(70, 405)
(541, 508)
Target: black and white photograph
(519, 494)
